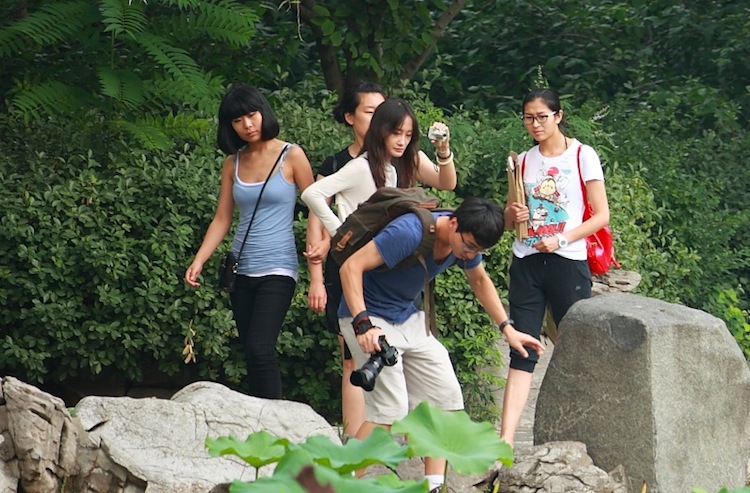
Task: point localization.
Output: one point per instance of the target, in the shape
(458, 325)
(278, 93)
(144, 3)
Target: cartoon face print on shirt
(547, 203)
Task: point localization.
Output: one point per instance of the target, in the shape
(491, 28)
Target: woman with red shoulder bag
(549, 266)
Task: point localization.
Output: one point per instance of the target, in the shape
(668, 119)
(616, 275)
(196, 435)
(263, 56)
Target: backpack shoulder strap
(580, 175)
(429, 230)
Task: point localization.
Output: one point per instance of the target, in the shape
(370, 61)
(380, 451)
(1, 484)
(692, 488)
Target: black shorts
(538, 280)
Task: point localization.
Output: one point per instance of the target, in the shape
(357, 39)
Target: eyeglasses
(542, 119)
(469, 248)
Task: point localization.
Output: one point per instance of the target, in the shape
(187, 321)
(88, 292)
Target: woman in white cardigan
(390, 157)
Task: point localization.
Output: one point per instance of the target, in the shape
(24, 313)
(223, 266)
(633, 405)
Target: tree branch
(329, 62)
(440, 26)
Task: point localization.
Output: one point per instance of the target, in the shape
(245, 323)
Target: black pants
(259, 305)
(334, 291)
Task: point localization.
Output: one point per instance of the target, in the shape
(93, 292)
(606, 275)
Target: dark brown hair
(388, 118)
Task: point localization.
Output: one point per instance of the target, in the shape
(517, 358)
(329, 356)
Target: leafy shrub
(95, 252)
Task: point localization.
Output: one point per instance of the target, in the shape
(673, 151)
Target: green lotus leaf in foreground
(469, 447)
(378, 448)
(259, 449)
(277, 484)
(388, 483)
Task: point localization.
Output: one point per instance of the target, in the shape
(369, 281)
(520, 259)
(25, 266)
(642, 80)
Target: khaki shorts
(423, 372)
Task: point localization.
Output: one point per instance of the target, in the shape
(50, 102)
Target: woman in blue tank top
(267, 272)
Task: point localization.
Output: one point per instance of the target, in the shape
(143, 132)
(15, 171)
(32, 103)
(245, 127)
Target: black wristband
(361, 323)
(505, 324)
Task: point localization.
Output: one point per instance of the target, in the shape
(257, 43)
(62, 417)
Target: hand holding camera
(438, 132)
(440, 136)
(365, 376)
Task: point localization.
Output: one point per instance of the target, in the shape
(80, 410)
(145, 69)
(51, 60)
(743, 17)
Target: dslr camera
(365, 376)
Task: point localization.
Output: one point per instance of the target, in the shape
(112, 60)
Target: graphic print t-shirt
(554, 198)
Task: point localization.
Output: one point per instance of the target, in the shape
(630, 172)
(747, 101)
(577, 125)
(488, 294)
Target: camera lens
(365, 376)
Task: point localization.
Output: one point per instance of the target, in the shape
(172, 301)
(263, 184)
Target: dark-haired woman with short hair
(267, 273)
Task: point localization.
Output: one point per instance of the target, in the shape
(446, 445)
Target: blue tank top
(270, 247)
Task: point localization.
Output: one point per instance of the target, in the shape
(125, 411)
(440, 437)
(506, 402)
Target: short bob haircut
(238, 101)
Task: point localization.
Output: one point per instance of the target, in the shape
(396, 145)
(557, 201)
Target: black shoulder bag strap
(252, 218)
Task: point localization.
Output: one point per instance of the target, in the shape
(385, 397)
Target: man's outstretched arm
(486, 293)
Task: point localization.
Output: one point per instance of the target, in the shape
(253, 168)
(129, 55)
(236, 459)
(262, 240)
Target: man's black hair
(483, 218)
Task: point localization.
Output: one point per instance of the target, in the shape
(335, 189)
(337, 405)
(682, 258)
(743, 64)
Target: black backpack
(385, 205)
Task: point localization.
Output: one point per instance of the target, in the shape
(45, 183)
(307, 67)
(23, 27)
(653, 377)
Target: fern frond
(150, 136)
(123, 17)
(176, 61)
(121, 85)
(52, 98)
(51, 24)
(204, 96)
(182, 4)
(227, 20)
(181, 126)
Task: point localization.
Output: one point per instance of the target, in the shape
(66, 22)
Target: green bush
(94, 252)
(95, 245)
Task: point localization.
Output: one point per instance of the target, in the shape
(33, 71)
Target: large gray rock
(659, 388)
(163, 442)
(9, 472)
(37, 439)
(126, 445)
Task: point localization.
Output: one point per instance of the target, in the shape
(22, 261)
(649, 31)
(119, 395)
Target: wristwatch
(502, 326)
(561, 240)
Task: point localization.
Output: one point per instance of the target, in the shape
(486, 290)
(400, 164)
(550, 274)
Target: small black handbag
(230, 263)
(227, 272)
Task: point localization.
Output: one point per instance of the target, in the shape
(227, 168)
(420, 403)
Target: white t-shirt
(554, 198)
(351, 185)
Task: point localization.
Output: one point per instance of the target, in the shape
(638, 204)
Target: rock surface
(659, 388)
(121, 444)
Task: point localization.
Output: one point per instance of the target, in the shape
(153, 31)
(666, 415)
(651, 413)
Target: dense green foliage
(598, 49)
(109, 171)
(121, 57)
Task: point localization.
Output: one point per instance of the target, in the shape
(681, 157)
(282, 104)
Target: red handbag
(600, 249)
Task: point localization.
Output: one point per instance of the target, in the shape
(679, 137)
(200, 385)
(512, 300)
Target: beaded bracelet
(444, 161)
